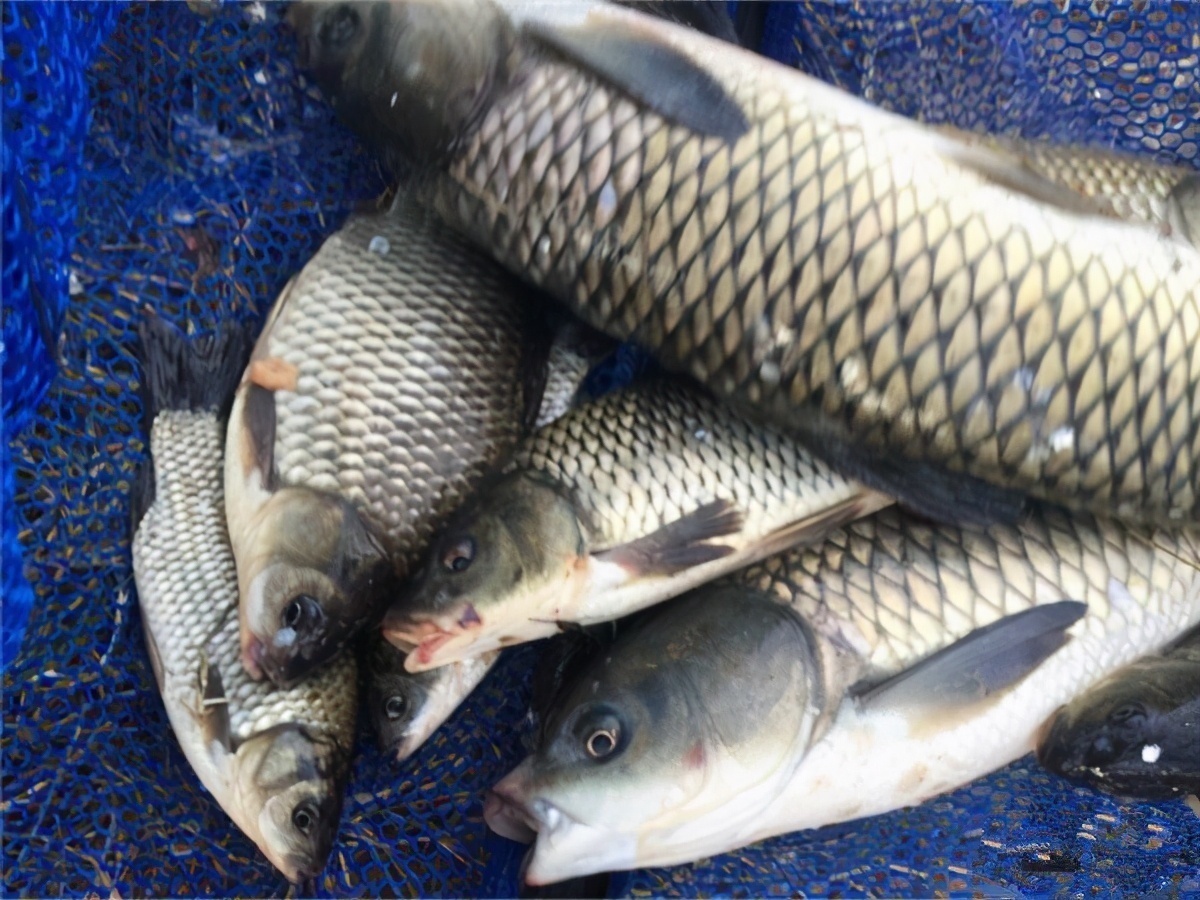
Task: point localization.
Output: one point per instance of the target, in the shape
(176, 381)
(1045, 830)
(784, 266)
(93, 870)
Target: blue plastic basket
(154, 155)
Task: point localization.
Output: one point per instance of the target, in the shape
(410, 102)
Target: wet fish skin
(276, 760)
(935, 321)
(393, 371)
(1137, 733)
(620, 504)
(873, 605)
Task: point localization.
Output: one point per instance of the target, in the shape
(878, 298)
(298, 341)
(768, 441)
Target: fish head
(690, 721)
(1101, 734)
(505, 570)
(312, 576)
(291, 783)
(407, 708)
(412, 73)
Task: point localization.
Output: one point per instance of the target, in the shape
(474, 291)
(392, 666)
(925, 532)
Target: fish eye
(302, 610)
(338, 28)
(459, 555)
(396, 706)
(602, 742)
(304, 817)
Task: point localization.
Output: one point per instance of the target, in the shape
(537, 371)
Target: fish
(405, 708)
(574, 352)
(934, 320)
(1136, 733)
(620, 504)
(897, 660)
(1126, 185)
(394, 369)
(275, 759)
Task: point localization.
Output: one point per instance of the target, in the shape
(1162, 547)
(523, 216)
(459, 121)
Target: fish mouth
(508, 817)
(254, 653)
(437, 640)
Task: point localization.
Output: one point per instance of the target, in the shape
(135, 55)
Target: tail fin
(181, 372)
(185, 372)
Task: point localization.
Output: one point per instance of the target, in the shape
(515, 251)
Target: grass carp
(622, 503)
(895, 661)
(935, 319)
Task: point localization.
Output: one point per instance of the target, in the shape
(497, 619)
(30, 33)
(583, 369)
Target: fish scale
(641, 458)
(366, 415)
(908, 587)
(187, 594)
(842, 263)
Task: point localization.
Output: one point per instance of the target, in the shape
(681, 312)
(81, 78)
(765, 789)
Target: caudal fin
(181, 371)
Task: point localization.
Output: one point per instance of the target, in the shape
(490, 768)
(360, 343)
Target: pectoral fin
(680, 545)
(258, 434)
(638, 62)
(981, 665)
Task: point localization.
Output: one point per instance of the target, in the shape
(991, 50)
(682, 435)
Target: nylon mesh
(156, 156)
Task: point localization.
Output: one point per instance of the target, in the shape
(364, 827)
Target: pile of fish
(914, 491)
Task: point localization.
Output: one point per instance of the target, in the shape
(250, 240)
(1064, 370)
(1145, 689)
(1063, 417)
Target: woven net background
(153, 155)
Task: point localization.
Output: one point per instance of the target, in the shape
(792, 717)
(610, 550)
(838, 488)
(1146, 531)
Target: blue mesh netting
(203, 173)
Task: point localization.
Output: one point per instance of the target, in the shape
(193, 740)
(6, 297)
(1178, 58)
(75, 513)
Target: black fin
(141, 497)
(1183, 208)
(680, 545)
(985, 662)
(650, 71)
(540, 323)
(216, 725)
(751, 24)
(258, 421)
(709, 17)
(190, 372)
(929, 490)
(585, 887)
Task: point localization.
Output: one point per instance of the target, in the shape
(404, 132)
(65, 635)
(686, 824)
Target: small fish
(275, 759)
(406, 708)
(893, 662)
(620, 504)
(394, 369)
(1137, 733)
(936, 320)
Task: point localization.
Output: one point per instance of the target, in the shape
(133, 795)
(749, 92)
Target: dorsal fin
(637, 62)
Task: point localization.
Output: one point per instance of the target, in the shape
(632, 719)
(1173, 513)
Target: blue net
(155, 155)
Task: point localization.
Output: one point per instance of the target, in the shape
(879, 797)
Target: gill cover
(702, 708)
(289, 779)
(488, 564)
(315, 575)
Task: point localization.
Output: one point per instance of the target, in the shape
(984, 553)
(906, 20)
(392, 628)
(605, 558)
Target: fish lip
(508, 818)
(422, 638)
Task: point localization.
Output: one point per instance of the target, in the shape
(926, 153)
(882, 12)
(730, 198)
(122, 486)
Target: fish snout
(506, 815)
